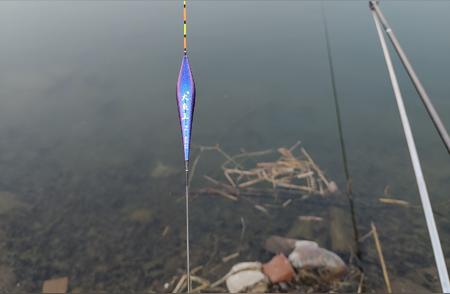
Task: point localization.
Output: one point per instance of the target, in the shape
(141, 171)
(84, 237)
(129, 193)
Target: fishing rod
(429, 217)
(186, 103)
(440, 127)
(349, 190)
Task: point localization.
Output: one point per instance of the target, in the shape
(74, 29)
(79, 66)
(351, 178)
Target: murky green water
(87, 112)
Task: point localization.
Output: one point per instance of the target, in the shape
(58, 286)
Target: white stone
(244, 281)
(249, 265)
(308, 255)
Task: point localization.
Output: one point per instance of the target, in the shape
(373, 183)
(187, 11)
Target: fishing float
(186, 103)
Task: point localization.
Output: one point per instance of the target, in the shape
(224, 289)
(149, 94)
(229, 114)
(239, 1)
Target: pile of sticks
(289, 172)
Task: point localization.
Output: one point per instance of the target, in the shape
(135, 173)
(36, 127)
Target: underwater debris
(277, 245)
(310, 218)
(297, 173)
(247, 277)
(7, 278)
(341, 235)
(9, 201)
(387, 199)
(162, 170)
(230, 257)
(381, 257)
(141, 215)
(279, 269)
(59, 285)
(394, 201)
(309, 257)
(308, 269)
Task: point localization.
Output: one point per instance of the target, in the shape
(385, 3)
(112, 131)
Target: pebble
(247, 277)
(308, 255)
(279, 269)
(277, 244)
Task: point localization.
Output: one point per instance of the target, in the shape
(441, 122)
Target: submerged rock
(249, 265)
(308, 256)
(332, 187)
(279, 269)
(162, 170)
(402, 285)
(7, 279)
(141, 215)
(59, 285)
(305, 229)
(247, 277)
(341, 234)
(277, 245)
(9, 201)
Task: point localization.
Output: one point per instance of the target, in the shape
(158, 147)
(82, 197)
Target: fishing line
(349, 191)
(186, 103)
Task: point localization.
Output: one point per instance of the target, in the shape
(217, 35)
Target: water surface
(87, 112)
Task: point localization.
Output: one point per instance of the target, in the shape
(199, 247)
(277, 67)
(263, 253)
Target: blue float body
(186, 103)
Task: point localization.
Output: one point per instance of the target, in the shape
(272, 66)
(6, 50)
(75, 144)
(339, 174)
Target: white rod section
(434, 235)
(440, 127)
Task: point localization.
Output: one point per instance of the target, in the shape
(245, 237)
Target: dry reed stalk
(246, 154)
(226, 155)
(360, 285)
(239, 171)
(166, 231)
(227, 175)
(381, 257)
(224, 194)
(308, 182)
(230, 257)
(196, 269)
(304, 175)
(180, 285)
(200, 288)
(394, 201)
(293, 147)
(286, 153)
(363, 238)
(250, 183)
(295, 187)
(313, 184)
(287, 163)
(266, 164)
(286, 203)
(203, 284)
(220, 281)
(225, 186)
(250, 154)
(170, 283)
(193, 167)
(219, 150)
(261, 208)
(310, 218)
(282, 172)
(321, 191)
(315, 167)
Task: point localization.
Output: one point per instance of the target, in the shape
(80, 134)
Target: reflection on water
(91, 161)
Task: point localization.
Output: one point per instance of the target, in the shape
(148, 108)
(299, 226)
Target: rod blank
(424, 197)
(413, 76)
